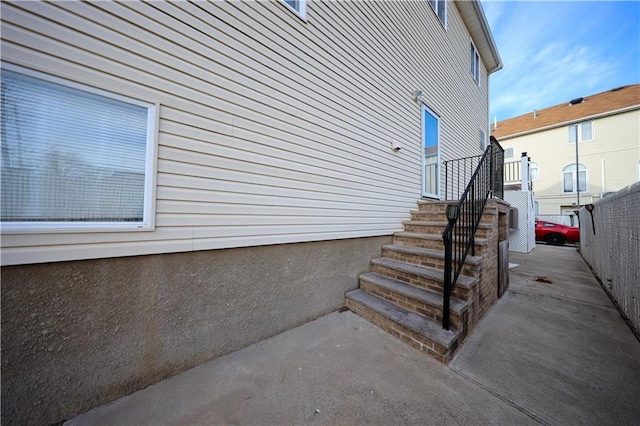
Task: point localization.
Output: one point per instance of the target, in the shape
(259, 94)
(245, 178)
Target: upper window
(569, 178)
(475, 64)
(581, 132)
(74, 157)
(440, 7)
(298, 6)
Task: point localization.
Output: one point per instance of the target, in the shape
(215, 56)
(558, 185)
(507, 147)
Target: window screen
(70, 155)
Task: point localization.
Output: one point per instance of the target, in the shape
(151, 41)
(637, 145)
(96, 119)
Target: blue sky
(555, 51)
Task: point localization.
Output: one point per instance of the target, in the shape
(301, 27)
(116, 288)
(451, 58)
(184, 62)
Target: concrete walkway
(547, 353)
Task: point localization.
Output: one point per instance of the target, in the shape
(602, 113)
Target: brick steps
(431, 241)
(403, 293)
(420, 300)
(428, 257)
(429, 216)
(421, 276)
(414, 329)
(438, 227)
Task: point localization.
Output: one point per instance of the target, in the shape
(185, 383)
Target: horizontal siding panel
(272, 199)
(344, 210)
(259, 154)
(239, 190)
(318, 222)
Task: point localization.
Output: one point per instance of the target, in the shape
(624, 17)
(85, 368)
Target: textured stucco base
(76, 335)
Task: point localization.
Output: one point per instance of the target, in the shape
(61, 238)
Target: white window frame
(151, 151)
(575, 183)
(508, 153)
(577, 127)
(475, 62)
(435, 5)
(483, 140)
(301, 10)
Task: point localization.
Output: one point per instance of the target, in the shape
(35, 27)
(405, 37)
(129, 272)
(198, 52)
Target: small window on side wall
(483, 140)
(298, 6)
(440, 8)
(74, 158)
(475, 63)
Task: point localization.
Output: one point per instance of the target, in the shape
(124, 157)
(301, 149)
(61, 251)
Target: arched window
(569, 178)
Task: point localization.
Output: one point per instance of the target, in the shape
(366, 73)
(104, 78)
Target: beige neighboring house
(183, 179)
(607, 128)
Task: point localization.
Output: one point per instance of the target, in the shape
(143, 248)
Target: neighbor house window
(74, 157)
(581, 132)
(440, 7)
(475, 64)
(569, 178)
(298, 6)
(508, 153)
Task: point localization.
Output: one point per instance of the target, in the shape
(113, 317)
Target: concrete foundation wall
(76, 335)
(614, 249)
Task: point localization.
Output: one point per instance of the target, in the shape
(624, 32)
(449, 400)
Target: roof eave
(568, 122)
(475, 14)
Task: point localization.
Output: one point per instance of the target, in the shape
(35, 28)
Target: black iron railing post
(465, 216)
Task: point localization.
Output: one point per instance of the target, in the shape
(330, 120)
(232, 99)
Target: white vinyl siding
(270, 131)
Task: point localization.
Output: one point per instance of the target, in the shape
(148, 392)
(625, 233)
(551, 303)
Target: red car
(556, 234)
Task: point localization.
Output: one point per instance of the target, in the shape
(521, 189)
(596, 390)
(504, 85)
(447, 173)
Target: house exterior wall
(272, 129)
(612, 157)
(276, 182)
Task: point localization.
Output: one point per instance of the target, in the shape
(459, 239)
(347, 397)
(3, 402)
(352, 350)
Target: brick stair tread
(478, 241)
(423, 271)
(448, 202)
(437, 254)
(426, 296)
(443, 224)
(412, 321)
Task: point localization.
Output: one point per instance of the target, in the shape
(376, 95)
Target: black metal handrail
(464, 218)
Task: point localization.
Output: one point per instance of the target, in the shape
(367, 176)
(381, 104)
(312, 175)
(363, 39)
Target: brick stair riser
(434, 207)
(441, 217)
(438, 229)
(429, 244)
(414, 339)
(424, 260)
(424, 309)
(420, 281)
(441, 207)
(409, 278)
